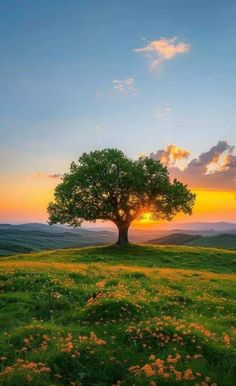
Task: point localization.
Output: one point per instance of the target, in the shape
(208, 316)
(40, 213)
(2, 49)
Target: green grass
(136, 315)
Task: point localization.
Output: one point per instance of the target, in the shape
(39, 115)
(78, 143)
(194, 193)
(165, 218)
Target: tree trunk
(123, 234)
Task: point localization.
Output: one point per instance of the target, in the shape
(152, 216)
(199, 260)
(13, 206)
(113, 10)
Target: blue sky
(58, 63)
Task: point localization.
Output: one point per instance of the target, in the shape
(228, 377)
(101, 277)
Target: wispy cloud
(125, 85)
(163, 49)
(159, 113)
(44, 175)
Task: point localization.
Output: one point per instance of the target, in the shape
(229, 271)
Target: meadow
(109, 315)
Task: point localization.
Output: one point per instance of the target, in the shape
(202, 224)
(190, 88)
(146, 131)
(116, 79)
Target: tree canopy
(108, 185)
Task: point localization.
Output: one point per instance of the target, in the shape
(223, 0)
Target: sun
(146, 218)
(144, 221)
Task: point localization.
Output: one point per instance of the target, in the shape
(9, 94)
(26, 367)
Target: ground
(134, 315)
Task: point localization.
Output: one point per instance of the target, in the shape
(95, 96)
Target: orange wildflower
(148, 370)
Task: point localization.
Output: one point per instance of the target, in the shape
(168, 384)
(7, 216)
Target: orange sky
(26, 199)
(211, 206)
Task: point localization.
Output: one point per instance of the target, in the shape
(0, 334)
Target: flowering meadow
(134, 315)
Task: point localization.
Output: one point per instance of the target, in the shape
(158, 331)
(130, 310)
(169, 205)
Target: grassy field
(136, 315)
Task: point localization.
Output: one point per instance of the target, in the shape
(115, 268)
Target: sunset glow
(33, 198)
(146, 218)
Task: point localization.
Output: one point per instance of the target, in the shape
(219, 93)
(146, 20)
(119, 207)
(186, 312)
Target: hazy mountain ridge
(34, 237)
(29, 237)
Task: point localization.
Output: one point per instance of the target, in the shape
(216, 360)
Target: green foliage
(107, 185)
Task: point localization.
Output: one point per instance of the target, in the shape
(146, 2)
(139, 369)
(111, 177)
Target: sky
(149, 77)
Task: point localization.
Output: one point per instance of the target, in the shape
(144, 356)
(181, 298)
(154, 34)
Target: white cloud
(171, 155)
(159, 113)
(163, 49)
(124, 85)
(39, 175)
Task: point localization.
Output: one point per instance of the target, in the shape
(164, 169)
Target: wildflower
(188, 374)
(98, 341)
(159, 362)
(227, 339)
(152, 357)
(135, 369)
(148, 370)
(26, 341)
(178, 375)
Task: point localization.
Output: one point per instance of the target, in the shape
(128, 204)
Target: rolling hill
(25, 238)
(227, 241)
(175, 239)
(33, 237)
(135, 315)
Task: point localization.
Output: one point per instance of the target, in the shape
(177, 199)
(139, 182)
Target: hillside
(34, 237)
(175, 239)
(136, 315)
(227, 241)
(223, 240)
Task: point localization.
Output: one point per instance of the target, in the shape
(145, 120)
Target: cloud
(214, 169)
(161, 112)
(142, 154)
(43, 175)
(170, 155)
(163, 49)
(124, 85)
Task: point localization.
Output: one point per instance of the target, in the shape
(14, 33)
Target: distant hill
(223, 240)
(142, 235)
(34, 237)
(175, 239)
(194, 228)
(30, 237)
(220, 227)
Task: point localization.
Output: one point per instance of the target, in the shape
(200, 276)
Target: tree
(109, 186)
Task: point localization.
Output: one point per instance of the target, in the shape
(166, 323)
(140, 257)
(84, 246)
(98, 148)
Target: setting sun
(146, 218)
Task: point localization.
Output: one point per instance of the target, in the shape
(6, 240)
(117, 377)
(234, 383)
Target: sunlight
(146, 218)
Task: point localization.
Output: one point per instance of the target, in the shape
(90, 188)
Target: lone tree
(109, 186)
